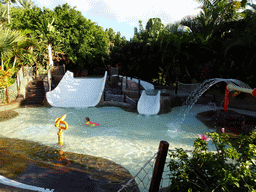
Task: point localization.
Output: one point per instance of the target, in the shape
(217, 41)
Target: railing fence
(153, 176)
(11, 92)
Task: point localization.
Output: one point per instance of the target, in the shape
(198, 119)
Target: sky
(123, 15)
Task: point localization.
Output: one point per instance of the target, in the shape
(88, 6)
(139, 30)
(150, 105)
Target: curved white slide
(146, 85)
(77, 92)
(149, 104)
(13, 183)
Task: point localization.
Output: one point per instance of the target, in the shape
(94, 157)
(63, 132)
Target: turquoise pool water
(126, 138)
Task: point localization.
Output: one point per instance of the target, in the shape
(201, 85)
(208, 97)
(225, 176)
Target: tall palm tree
(26, 4)
(2, 14)
(24, 47)
(7, 39)
(213, 13)
(8, 2)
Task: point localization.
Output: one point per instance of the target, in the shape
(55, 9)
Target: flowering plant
(231, 168)
(4, 77)
(204, 137)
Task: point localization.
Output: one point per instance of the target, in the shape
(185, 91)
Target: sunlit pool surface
(126, 138)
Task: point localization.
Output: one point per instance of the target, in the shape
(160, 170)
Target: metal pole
(159, 166)
(60, 137)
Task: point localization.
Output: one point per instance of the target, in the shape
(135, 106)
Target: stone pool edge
(102, 170)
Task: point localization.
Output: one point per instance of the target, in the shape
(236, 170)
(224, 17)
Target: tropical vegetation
(231, 168)
(218, 42)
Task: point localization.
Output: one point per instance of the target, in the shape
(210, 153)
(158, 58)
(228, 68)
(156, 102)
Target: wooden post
(176, 88)
(36, 70)
(159, 166)
(7, 94)
(23, 71)
(64, 70)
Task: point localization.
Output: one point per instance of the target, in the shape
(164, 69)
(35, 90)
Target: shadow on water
(49, 167)
(6, 115)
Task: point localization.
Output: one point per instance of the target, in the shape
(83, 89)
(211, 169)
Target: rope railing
(132, 182)
(10, 95)
(2, 95)
(149, 177)
(154, 175)
(188, 88)
(13, 91)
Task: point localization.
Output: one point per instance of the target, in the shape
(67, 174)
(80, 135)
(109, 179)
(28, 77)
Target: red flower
(204, 137)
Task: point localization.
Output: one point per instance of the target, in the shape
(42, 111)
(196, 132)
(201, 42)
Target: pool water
(127, 138)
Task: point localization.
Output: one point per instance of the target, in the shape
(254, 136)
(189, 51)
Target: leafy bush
(231, 168)
(4, 77)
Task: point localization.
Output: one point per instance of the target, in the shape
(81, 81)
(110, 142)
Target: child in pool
(88, 122)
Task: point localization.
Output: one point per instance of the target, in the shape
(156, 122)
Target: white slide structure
(149, 104)
(77, 92)
(13, 183)
(144, 84)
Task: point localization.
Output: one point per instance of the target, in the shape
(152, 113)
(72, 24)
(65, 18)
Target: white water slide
(77, 92)
(144, 84)
(13, 183)
(149, 103)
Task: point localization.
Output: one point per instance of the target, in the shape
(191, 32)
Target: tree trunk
(14, 62)
(8, 11)
(2, 62)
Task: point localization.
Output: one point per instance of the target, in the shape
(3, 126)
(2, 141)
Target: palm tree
(24, 47)
(26, 4)
(8, 2)
(7, 39)
(46, 30)
(213, 13)
(2, 14)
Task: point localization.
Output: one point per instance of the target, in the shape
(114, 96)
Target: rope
(137, 175)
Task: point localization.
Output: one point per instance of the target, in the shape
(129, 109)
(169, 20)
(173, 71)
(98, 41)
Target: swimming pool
(127, 138)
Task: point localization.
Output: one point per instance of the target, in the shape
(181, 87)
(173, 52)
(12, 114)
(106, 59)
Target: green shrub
(230, 168)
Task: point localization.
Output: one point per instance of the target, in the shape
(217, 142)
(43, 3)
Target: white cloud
(168, 10)
(121, 13)
(50, 3)
(131, 11)
(83, 5)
